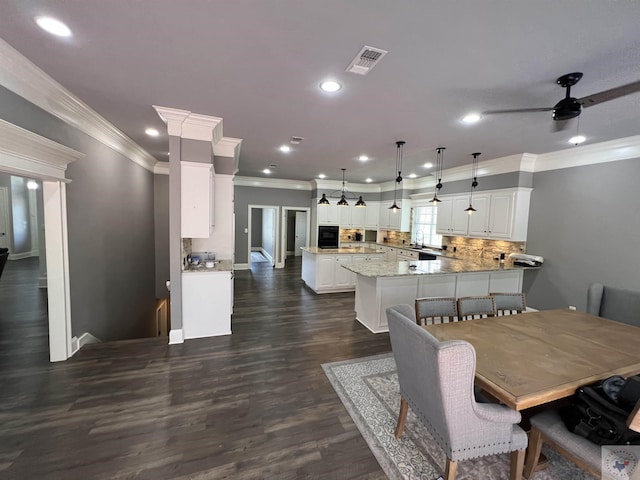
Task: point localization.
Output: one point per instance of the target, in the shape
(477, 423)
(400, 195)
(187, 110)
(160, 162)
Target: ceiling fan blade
(610, 94)
(517, 110)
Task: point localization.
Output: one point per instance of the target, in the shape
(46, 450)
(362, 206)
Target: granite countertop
(430, 267)
(219, 266)
(339, 251)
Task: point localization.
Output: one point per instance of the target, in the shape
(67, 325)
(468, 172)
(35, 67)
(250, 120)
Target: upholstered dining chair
(476, 307)
(509, 303)
(4, 255)
(436, 381)
(614, 303)
(431, 310)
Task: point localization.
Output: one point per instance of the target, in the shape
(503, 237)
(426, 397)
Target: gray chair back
(509, 303)
(476, 307)
(4, 255)
(436, 310)
(614, 303)
(436, 379)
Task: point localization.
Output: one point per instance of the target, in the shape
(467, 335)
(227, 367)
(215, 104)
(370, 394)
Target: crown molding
(271, 183)
(161, 168)
(318, 183)
(610, 151)
(24, 78)
(25, 153)
(229, 147)
(202, 127)
(173, 118)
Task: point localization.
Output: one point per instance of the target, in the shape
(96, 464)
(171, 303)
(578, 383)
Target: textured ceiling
(258, 63)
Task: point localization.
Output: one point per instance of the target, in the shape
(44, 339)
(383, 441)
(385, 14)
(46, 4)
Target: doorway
(295, 231)
(263, 242)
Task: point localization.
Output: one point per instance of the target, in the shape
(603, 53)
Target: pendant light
(324, 200)
(343, 201)
(361, 202)
(439, 161)
(399, 149)
(474, 183)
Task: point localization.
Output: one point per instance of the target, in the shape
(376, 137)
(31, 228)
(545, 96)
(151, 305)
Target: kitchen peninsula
(383, 284)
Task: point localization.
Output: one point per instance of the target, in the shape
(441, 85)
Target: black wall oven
(328, 236)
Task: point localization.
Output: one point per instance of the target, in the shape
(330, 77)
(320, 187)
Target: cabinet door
(501, 215)
(395, 217)
(342, 276)
(392, 255)
(344, 215)
(357, 216)
(459, 218)
(372, 215)
(325, 272)
(196, 195)
(328, 214)
(383, 215)
(443, 221)
(479, 220)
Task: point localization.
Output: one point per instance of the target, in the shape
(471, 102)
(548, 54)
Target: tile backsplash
(481, 247)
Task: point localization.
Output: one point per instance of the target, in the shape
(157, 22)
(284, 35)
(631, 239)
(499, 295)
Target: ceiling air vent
(366, 59)
(296, 140)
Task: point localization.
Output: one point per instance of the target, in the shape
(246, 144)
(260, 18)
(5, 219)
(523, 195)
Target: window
(423, 226)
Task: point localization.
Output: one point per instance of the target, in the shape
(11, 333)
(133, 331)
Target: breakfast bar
(383, 284)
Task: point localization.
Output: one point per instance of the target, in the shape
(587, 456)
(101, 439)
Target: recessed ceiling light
(267, 171)
(330, 86)
(428, 165)
(53, 26)
(152, 132)
(322, 175)
(363, 158)
(285, 148)
(369, 180)
(471, 118)
(412, 175)
(578, 139)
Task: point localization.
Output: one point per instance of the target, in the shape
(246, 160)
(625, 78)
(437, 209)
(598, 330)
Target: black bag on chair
(596, 415)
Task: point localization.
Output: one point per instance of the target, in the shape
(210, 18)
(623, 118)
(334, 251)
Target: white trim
(24, 78)
(176, 336)
(85, 339)
(276, 240)
(272, 183)
(351, 186)
(20, 256)
(161, 168)
(283, 231)
(241, 266)
(603, 152)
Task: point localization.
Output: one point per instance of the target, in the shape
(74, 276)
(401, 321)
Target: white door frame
(25, 154)
(283, 242)
(276, 246)
(4, 214)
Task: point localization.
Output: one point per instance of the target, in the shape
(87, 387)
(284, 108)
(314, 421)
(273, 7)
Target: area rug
(368, 388)
(258, 257)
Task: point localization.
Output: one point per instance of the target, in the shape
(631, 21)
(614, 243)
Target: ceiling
(258, 63)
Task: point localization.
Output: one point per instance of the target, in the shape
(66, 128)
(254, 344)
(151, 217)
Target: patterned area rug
(368, 388)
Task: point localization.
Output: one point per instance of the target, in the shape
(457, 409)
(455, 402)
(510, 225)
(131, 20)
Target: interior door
(301, 232)
(4, 218)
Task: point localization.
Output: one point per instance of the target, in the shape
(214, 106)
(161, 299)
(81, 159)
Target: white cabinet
(343, 278)
(325, 271)
(372, 215)
(196, 196)
(399, 220)
(344, 216)
(328, 214)
(501, 215)
(409, 255)
(357, 216)
(452, 219)
(351, 216)
(206, 304)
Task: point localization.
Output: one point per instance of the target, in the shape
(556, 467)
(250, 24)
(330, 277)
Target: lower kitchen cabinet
(323, 273)
(207, 299)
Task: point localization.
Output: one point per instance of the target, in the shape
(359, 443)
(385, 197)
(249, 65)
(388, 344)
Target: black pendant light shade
(323, 200)
(361, 202)
(343, 196)
(474, 183)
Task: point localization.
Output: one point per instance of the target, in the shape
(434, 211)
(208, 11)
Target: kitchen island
(384, 284)
(322, 267)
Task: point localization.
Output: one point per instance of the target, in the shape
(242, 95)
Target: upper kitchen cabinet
(452, 219)
(328, 214)
(372, 215)
(399, 220)
(502, 214)
(196, 194)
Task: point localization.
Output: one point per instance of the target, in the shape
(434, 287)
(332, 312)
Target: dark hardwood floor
(252, 405)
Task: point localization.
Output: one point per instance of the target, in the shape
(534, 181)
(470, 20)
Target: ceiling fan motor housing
(566, 108)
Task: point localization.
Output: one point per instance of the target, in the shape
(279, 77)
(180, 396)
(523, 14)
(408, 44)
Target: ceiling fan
(570, 107)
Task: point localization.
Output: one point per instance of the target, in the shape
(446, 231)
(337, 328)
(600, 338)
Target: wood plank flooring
(252, 405)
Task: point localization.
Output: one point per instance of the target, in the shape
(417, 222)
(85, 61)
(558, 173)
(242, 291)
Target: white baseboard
(241, 266)
(42, 282)
(19, 256)
(85, 339)
(176, 336)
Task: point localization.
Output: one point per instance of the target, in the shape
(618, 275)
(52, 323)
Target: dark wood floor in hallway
(252, 405)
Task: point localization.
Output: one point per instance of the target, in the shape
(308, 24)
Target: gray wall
(585, 222)
(245, 196)
(256, 227)
(161, 224)
(110, 226)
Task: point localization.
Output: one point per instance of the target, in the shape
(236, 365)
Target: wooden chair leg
(402, 417)
(450, 470)
(517, 462)
(533, 452)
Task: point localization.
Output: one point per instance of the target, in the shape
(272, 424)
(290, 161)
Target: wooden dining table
(534, 358)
